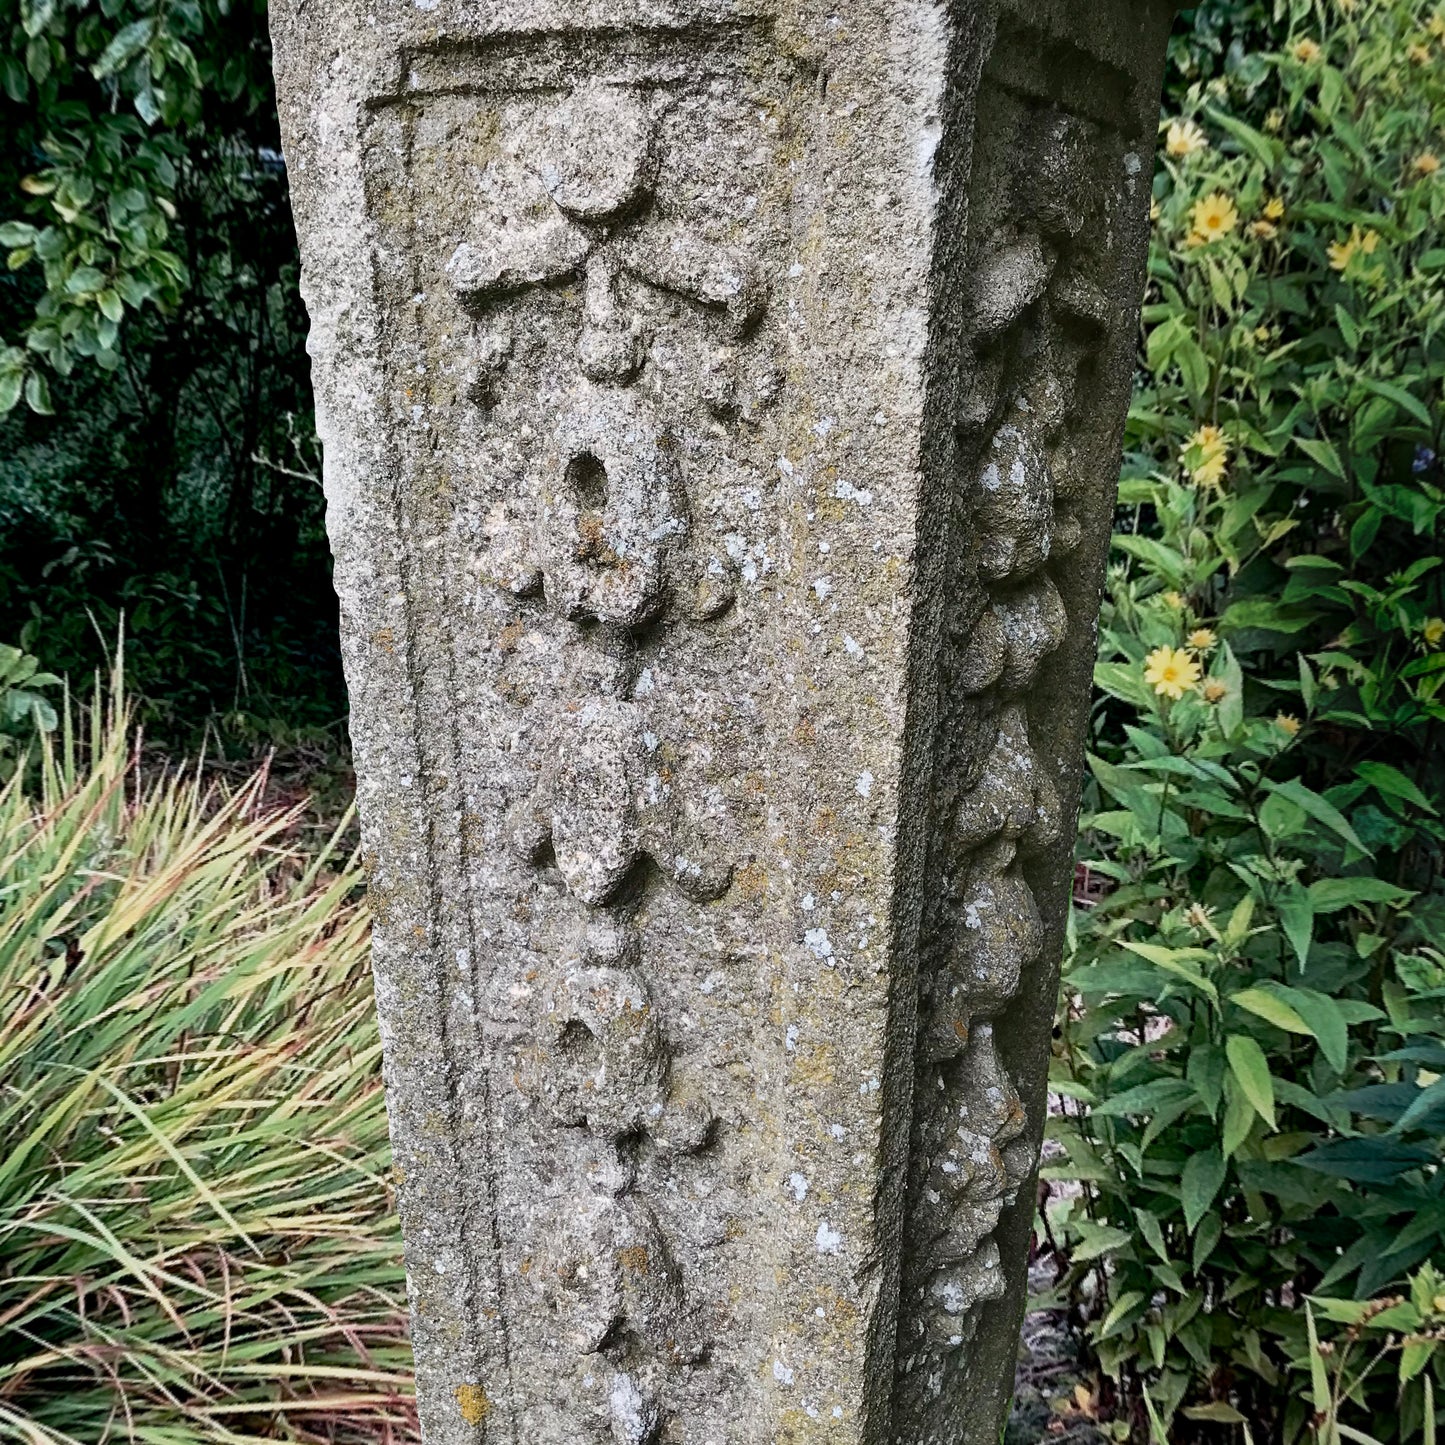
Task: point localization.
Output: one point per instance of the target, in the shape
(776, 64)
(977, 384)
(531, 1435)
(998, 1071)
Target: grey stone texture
(721, 403)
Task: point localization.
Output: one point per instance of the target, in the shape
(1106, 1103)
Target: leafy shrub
(25, 711)
(195, 1243)
(1400, 1334)
(1253, 1024)
(151, 297)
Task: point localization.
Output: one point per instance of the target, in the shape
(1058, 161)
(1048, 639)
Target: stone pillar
(721, 403)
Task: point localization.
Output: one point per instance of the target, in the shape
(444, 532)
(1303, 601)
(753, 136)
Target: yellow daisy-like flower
(1184, 138)
(1274, 209)
(1202, 639)
(1214, 690)
(1306, 51)
(1212, 219)
(1174, 600)
(1288, 724)
(1263, 230)
(1433, 631)
(1263, 335)
(1426, 163)
(1360, 243)
(1171, 672)
(1420, 54)
(1274, 121)
(1206, 456)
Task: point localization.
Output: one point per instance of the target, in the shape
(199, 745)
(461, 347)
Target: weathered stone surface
(721, 403)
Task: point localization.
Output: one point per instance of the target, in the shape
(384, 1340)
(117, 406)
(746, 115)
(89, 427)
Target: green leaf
(1178, 962)
(1117, 1317)
(1393, 784)
(1402, 398)
(1414, 1357)
(1272, 1009)
(1203, 1178)
(37, 394)
(1206, 1240)
(1324, 1017)
(1366, 1161)
(125, 45)
(1323, 453)
(1148, 1226)
(1430, 1098)
(1218, 1412)
(1251, 1071)
(1330, 895)
(1097, 1240)
(1320, 809)
(1145, 1099)
(1297, 918)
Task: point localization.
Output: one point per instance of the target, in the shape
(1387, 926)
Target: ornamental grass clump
(195, 1240)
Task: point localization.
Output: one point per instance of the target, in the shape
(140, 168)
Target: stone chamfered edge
(1103, 64)
(899, 182)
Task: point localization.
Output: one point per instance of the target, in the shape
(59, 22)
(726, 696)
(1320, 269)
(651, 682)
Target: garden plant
(1252, 1027)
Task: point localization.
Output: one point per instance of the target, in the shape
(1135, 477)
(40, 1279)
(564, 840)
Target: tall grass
(195, 1239)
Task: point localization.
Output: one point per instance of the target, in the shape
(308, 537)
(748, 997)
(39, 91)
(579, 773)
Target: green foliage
(193, 1200)
(112, 90)
(147, 223)
(1397, 1336)
(25, 710)
(1253, 1026)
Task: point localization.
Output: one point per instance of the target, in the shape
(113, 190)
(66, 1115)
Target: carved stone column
(721, 402)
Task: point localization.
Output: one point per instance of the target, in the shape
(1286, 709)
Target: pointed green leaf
(1202, 1181)
(1251, 1072)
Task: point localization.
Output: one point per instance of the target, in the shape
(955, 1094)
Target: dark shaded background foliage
(175, 481)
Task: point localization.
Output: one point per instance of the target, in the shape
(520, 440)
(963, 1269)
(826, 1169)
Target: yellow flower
(1184, 139)
(1307, 52)
(1360, 243)
(1263, 230)
(1420, 54)
(1214, 690)
(1206, 456)
(1434, 632)
(1212, 218)
(1171, 672)
(1174, 600)
(1274, 121)
(1427, 163)
(1348, 6)
(1288, 724)
(1202, 639)
(1263, 335)
(1274, 209)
